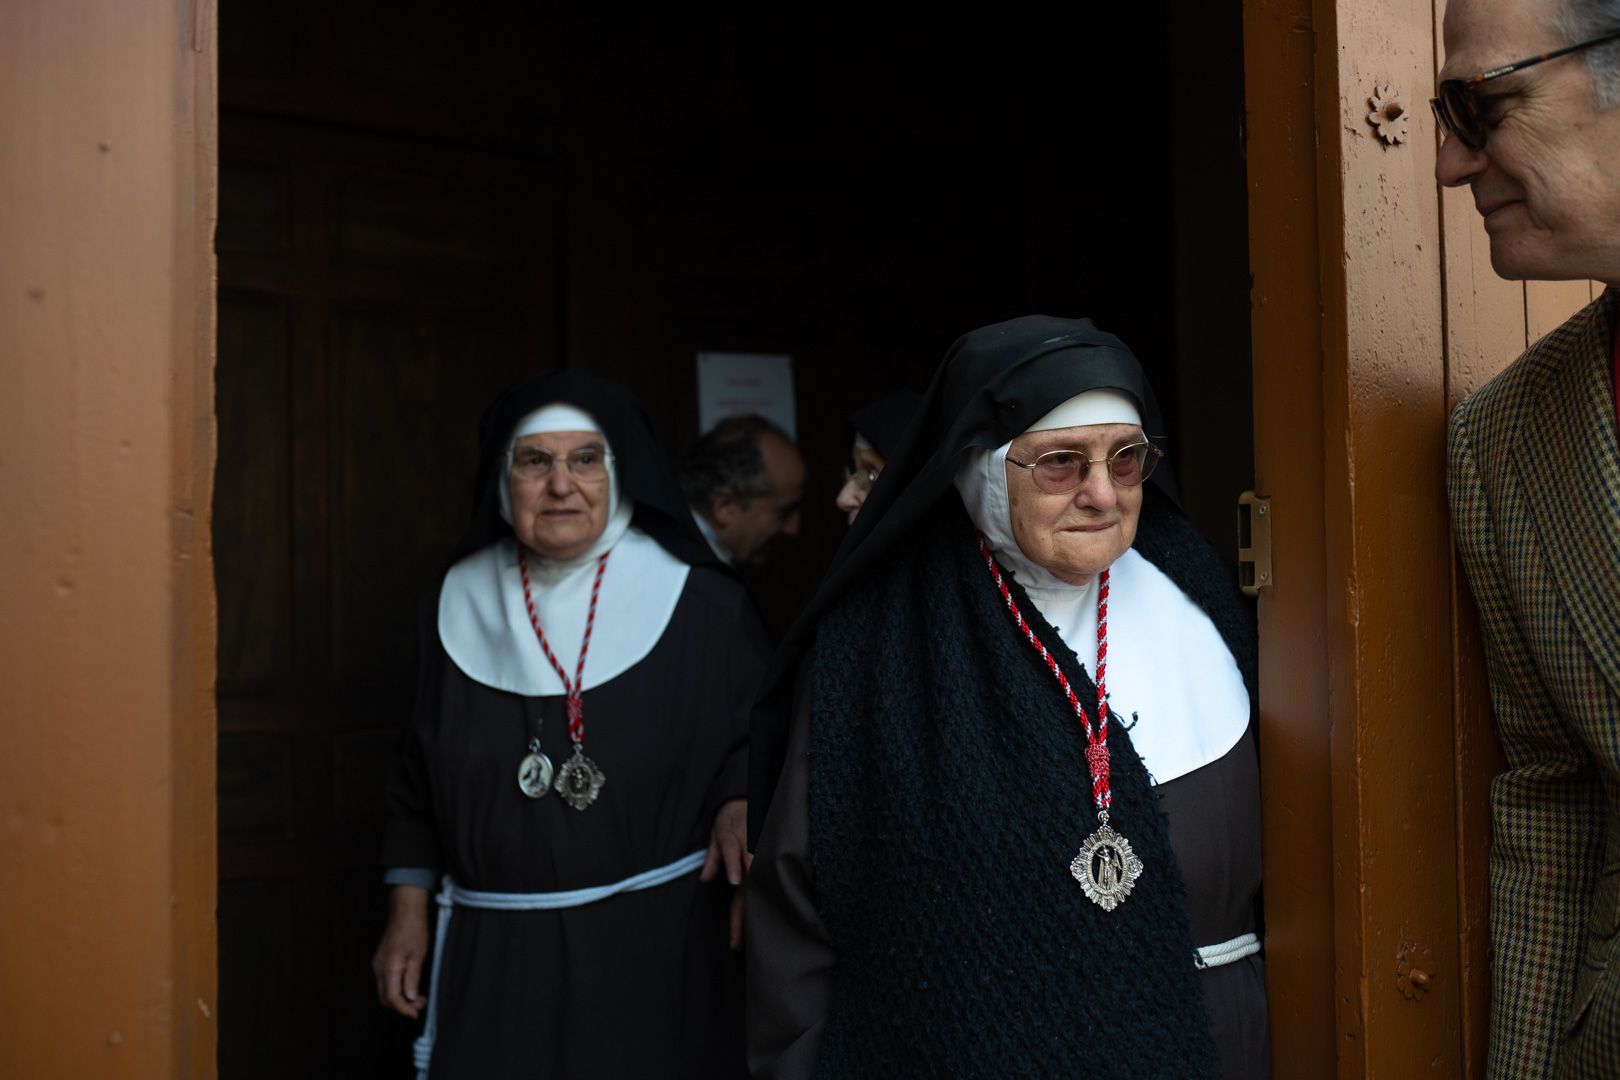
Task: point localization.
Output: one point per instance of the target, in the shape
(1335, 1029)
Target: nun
(572, 781)
(1017, 830)
(875, 430)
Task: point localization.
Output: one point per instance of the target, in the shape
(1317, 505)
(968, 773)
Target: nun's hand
(728, 846)
(397, 963)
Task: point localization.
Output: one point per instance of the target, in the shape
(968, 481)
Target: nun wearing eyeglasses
(570, 794)
(1017, 831)
(875, 430)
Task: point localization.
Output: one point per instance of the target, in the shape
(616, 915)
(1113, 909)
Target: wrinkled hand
(397, 963)
(728, 844)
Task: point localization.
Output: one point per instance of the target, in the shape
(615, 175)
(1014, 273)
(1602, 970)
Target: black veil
(883, 422)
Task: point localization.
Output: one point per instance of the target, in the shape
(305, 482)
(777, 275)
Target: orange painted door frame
(107, 209)
(1357, 691)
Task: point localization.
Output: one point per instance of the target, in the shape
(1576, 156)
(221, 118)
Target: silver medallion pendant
(579, 781)
(534, 775)
(1106, 868)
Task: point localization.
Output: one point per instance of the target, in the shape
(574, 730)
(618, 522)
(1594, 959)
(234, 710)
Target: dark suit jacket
(1535, 503)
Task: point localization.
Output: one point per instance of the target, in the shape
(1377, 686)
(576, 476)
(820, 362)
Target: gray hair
(727, 459)
(1583, 20)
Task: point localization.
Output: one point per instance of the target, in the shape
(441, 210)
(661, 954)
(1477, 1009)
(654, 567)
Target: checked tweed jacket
(1534, 483)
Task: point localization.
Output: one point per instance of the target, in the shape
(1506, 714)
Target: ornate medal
(534, 772)
(579, 780)
(1106, 867)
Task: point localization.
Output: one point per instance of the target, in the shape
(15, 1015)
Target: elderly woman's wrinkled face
(560, 514)
(1078, 534)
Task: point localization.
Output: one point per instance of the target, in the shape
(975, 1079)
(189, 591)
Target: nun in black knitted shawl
(923, 898)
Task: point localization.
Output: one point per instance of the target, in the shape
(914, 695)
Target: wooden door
(375, 293)
(1375, 312)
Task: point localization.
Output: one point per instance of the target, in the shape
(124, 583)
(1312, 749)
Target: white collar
(1167, 663)
(1168, 667)
(485, 627)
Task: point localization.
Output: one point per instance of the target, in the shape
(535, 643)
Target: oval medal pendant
(579, 780)
(534, 775)
(1106, 868)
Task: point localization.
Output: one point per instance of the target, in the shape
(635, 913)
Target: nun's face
(865, 464)
(559, 515)
(1077, 534)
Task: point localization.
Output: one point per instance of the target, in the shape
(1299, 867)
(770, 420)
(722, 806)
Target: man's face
(1548, 179)
(745, 528)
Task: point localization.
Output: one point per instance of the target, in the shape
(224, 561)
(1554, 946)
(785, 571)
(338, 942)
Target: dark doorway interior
(419, 202)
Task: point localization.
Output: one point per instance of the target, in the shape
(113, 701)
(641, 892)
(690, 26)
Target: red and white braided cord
(1096, 738)
(575, 704)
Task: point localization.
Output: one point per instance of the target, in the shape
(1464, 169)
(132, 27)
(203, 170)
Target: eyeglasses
(587, 465)
(1457, 110)
(863, 479)
(1061, 471)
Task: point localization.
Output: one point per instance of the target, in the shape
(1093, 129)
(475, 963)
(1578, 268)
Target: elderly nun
(1017, 830)
(875, 430)
(575, 769)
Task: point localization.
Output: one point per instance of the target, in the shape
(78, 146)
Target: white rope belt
(1227, 952)
(452, 896)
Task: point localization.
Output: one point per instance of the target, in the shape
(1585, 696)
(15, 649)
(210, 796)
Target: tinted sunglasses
(1061, 471)
(1457, 109)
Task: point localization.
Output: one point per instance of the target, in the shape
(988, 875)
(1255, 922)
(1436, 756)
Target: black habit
(640, 984)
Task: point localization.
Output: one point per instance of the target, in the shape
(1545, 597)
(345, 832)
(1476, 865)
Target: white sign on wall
(734, 384)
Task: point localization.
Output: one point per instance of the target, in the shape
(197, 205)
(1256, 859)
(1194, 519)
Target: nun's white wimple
(561, 416)
(982, 478)
(484, 624)
(1172, 679)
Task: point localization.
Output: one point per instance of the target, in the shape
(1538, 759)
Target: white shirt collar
(720, 550)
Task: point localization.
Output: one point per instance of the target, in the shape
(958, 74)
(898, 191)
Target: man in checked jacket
(1530, 105)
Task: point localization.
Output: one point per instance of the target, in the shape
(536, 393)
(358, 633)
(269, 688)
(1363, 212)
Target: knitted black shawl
(948, 793)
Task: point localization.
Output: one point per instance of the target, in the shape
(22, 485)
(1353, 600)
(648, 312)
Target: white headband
(558, 416)
(1101, 406)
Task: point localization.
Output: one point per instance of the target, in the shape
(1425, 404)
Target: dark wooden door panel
(409, 387)
(257, 1013)
(375, 294)
(253, 514)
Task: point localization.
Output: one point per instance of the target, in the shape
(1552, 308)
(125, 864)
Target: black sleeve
(790, 958)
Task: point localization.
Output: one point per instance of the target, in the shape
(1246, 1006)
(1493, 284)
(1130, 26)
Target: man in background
(1530, 106)
(744, 480)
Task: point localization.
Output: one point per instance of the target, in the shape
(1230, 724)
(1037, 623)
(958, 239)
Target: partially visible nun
(572, 781)
(1017, 831)
(875, 431)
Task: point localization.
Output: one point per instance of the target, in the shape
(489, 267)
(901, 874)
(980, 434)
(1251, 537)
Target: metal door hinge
(1254, 543)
